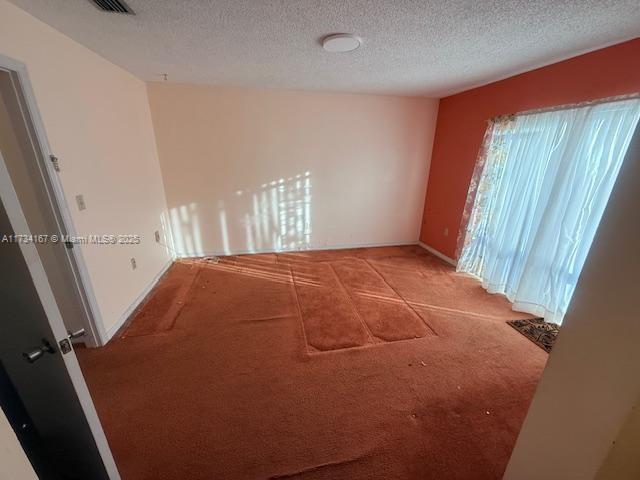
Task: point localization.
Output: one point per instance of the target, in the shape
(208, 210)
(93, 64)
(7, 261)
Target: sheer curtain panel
(545, 180)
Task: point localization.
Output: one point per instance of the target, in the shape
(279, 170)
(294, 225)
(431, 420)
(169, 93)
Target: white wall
(592, 380)
(623, 460)
(14, 464)
(97, 120)
(260, 170)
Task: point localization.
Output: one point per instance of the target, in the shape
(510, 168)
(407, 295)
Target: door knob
(76, 334)
(35, 354)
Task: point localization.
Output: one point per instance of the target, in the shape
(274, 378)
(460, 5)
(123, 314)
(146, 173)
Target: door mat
(538, 331)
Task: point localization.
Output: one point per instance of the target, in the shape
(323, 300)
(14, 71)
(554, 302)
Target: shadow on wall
(274, 217)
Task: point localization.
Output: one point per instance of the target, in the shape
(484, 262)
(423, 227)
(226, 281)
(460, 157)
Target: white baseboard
(438, 254)
(293, 250)
(127, 313)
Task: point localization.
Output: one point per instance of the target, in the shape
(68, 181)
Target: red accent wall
(462, 120)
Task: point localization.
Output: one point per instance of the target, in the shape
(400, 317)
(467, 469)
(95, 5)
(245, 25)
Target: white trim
(18, 221)
(438, 254)
(111, 331)
(95, 331)
(294, 250)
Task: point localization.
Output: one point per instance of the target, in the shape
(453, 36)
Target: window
(544, 181)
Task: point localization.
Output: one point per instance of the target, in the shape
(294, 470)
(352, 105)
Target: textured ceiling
(410, 47)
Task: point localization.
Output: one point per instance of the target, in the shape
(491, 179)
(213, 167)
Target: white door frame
(40, 280)
(95, 333)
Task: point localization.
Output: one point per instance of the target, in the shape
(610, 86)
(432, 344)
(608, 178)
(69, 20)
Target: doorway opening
(45, 300)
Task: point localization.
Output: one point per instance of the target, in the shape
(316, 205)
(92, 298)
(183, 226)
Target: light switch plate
(80, 202)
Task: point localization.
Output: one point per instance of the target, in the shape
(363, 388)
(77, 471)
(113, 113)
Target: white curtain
(544, 186)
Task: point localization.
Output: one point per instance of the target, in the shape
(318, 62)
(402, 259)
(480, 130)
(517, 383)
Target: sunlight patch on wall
(275, 216)
(224, 229)
(278, 216)
(185, 226)
(166, 238)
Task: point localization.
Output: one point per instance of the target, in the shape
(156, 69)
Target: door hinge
(56, 162)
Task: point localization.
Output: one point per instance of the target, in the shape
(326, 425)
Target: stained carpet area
(377, 363)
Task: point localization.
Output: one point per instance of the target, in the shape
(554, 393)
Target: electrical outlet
(157, 235)
(446, 232)
(133, 263)
(80, 202)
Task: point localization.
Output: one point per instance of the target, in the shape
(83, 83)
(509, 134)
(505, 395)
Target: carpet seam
(353, 305)
(372, 345)
(400, 296)
(261, 319)
(295, 294)
(321, 466)
(187, 296)
(126, 328)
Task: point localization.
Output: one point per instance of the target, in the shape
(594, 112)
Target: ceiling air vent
(113, 6)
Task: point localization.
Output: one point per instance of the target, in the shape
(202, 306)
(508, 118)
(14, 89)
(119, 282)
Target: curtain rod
(567, 106)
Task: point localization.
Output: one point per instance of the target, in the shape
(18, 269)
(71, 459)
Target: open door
(42, 390)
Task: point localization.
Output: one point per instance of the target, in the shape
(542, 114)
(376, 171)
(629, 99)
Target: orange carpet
(378, 363)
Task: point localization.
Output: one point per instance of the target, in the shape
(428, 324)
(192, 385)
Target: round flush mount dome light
(340, 43)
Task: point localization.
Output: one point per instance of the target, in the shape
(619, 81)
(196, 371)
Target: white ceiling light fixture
(341, 43)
